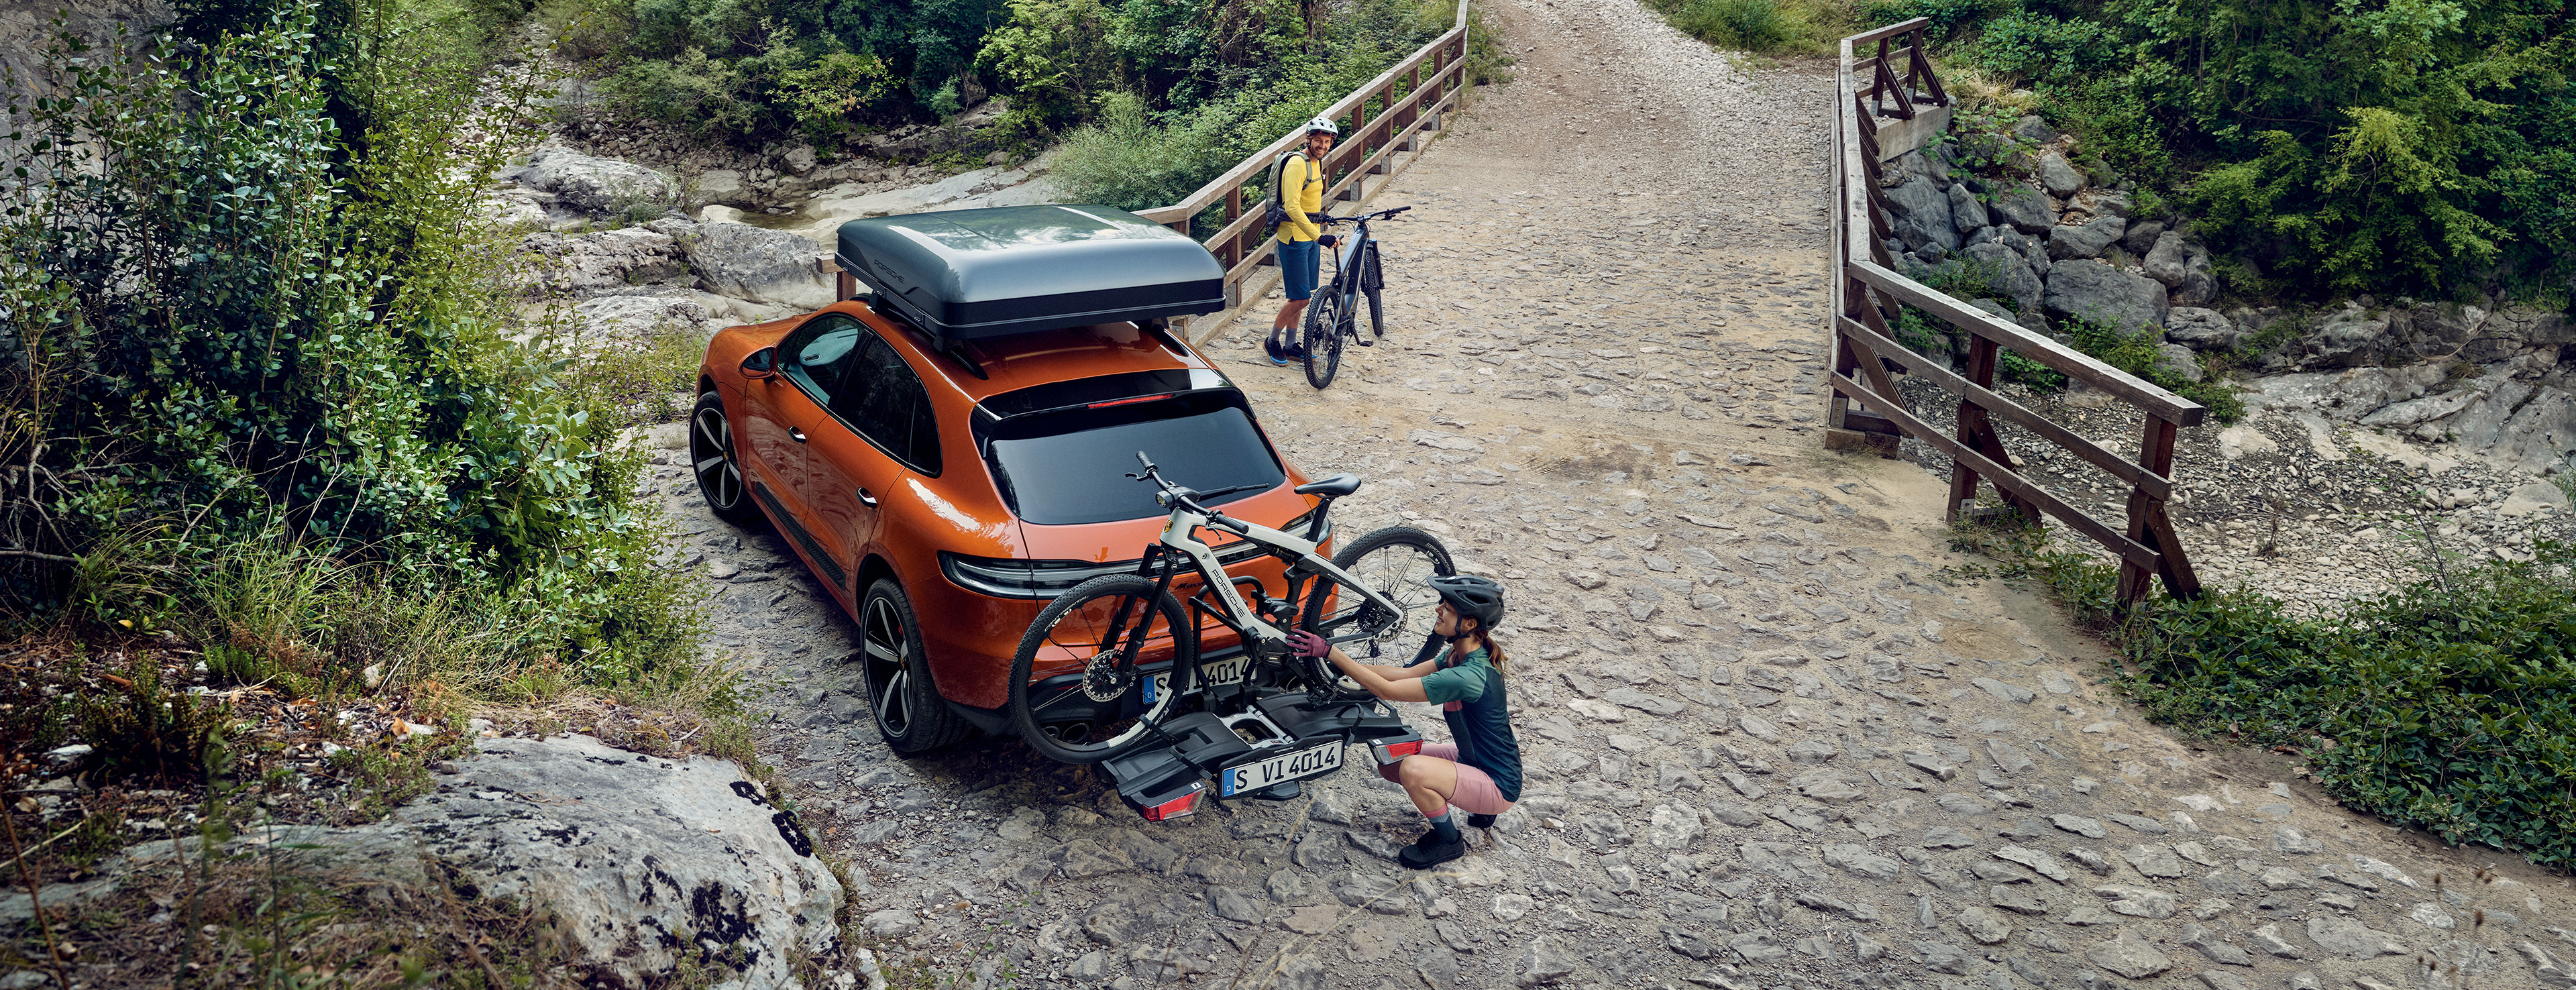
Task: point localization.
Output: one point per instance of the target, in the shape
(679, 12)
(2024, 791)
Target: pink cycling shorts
(1476, 793)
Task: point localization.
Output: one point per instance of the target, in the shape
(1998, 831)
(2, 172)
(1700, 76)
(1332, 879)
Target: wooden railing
(1386, 116)
(1869, 411)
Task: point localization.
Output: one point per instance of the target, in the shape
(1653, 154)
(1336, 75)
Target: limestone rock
(592, 264)
(2085, 240)
(2346, 338)
(2534, 498)
(2023, 207)
(2104, 295)
(2200, 329)
(2129, 955)
(748, 262)
(2141, 237)
(597, 186)
(1966, 214)
(2010, 273)
(2059, 176)
(2166, 258)
(1544, 964)
(2353, 940)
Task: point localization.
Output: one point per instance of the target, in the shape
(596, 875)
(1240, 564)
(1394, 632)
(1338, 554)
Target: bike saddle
(1332, 487)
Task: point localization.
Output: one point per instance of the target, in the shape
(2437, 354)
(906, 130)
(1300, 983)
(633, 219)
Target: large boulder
(2199, 285)
(2350, 337)
(2033, 250)
(1922, 218)
(2435, 329)
(1966, 214)
(2008, 273)
(2023, 207)
(605, 262)
(2105, 296)
(2179, 360)
(597, 186)
(631, 860)
(753, 263)
(2165, 258)
(2060, 176)
(2085, 240)
(2200, 329)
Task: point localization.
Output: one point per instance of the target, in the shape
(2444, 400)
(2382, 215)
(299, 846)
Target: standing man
(1300, 189)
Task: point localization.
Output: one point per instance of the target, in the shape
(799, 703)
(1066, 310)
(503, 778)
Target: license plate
(1267, 772)
(1220, 672)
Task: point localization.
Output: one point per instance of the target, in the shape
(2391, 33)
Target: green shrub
(1759, 26)
(289, 340)
(2139, 354)
(2448, 703)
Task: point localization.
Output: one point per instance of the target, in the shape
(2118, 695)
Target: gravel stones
(2138, 902)
(2129, 954)
(2039, 860)
(2349, 938)
(1860, 861)
(2155, 861)
(2090, 828)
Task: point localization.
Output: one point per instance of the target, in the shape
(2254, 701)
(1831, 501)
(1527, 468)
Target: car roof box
(962, 275)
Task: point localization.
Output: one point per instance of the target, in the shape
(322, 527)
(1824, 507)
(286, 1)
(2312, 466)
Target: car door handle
(866, 499)
(796, 434)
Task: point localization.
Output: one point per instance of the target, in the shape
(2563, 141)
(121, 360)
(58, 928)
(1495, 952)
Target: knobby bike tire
(1323, 333)
(1093, 604)
(1336, 618)
(1373, 284)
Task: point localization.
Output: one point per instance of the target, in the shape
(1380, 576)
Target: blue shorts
(1298, 261)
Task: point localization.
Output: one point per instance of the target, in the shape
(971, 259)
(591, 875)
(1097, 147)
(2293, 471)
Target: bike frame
(1179, 536)
(1346, 274)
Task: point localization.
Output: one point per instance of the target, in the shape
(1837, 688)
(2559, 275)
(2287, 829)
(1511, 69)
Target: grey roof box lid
(963, 275)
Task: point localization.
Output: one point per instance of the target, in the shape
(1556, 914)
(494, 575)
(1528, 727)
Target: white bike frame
(1178, 536)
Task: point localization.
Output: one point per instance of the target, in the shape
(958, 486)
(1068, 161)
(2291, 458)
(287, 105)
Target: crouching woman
(1480, 772)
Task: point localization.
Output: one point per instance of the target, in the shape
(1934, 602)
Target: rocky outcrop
(2104, 295)
(747, 262)
(597, 186)
(27, 29)
(635, 861)
(593, 264)
(1922, 218)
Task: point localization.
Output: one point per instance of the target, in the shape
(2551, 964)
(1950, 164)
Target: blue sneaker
(1270, 346)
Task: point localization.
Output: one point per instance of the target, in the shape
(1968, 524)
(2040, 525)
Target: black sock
(1444, 828)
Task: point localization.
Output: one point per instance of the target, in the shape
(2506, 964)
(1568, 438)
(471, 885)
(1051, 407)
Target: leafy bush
(1947, 16)
(2445, 703)
(1760, 26)
(2139, 353)
(252, 330)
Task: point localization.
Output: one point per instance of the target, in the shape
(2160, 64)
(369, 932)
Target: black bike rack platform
(1166, 780)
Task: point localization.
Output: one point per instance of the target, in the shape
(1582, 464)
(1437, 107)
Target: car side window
(818, 355)
(884, 400)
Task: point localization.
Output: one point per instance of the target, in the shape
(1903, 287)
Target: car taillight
(1179, 807)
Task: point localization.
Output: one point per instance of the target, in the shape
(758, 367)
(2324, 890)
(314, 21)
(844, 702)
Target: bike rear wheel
(1323, 333)
(1397, 562)
(1078, 693)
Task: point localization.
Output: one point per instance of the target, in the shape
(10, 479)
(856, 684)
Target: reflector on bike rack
(1157, 782)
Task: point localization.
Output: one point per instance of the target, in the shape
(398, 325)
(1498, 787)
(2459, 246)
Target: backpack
(1276, 211)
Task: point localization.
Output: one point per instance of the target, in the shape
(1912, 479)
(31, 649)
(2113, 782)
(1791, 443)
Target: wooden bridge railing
(1386, 116)
(1868, 410)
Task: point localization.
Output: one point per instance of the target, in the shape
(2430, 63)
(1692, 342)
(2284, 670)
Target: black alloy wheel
(713, 462)
(901, 698)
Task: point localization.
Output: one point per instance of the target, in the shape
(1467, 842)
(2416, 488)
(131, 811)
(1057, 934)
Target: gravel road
(1766, 749)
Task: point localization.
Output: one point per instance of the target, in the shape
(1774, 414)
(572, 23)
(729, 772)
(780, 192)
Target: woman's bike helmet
(1473, 596)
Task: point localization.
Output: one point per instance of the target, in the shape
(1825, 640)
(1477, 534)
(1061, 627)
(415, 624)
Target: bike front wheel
(1103, 664)
(1323, 334)
(1397, 562)
(1373, 285)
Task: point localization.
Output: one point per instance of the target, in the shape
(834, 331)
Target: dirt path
(1767, 748)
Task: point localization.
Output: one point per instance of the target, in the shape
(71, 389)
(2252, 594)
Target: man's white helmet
(1324, 124)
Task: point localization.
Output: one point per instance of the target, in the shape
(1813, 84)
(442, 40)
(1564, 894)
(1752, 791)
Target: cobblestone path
(1768, 747)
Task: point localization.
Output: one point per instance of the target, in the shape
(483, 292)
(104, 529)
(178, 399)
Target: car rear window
(1070, 467)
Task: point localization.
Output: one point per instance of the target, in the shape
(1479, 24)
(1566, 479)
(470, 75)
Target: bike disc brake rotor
(1103, 681)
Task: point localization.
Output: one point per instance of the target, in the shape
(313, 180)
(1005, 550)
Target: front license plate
(1225, 671)
(1267, 772)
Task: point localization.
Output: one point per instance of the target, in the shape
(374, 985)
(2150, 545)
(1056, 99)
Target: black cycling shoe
(1270, 346)
(1480, 821)
(1429, 851)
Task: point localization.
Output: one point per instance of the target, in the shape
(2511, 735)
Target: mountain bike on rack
(1121, 648)
(1334, 314)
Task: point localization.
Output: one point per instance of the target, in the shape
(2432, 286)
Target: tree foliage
(224, 317)
(2349, 145)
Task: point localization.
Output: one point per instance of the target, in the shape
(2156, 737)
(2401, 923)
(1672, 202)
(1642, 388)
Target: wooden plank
(1190, 205)
(2126, 548)
(2118, 466)
(2073, 363)
(1881, 34)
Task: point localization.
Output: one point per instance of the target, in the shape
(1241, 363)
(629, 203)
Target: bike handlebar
(1357, 217)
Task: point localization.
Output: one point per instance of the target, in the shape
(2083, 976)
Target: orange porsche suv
(947, 449)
